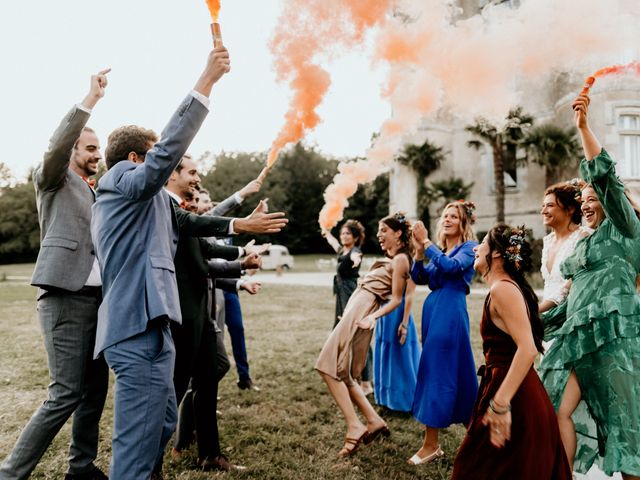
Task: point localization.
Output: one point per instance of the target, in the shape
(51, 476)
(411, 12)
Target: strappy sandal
(354, 442)
(416, 460)
(371, 436)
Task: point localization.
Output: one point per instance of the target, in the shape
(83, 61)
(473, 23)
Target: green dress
(600, 338)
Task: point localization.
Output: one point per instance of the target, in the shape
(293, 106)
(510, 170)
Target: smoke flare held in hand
(441, 62)
(633, 67)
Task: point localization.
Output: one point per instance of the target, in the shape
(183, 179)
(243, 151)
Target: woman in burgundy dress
(513, 433)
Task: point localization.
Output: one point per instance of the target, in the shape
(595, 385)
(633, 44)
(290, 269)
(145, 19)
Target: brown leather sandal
(354, 443)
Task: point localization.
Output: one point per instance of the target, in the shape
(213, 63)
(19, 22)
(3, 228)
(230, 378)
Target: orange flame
(611, 70)
(214, 9)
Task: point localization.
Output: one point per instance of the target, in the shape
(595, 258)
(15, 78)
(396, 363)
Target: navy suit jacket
(135, 233)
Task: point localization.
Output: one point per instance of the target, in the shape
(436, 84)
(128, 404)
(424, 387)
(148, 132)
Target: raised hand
(260, 222)
(252, 187)
(252, 260)
(218, 63)
(96, 89)
(251, 286)
(580, 109)
(251, 247)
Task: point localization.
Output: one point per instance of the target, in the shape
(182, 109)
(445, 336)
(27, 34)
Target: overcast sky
(157, 49)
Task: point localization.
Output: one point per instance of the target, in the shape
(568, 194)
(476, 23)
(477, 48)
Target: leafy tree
(555, 148)
(449, 190)
(423, 160)
(295, 186)
(504, 143)
(19, 229)
(6, 177)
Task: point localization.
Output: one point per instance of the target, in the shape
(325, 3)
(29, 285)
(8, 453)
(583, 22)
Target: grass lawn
(290, 430)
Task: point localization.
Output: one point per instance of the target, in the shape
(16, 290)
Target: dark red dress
(535, 451)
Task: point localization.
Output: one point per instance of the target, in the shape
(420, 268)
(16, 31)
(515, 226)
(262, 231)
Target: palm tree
(554, 148)
(504, 144)
(449, 190)
(423, 160)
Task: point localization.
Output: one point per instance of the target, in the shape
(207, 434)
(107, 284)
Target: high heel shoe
(416, 460)
(371, 436)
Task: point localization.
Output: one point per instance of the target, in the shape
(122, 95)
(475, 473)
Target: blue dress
(395, 366)
(447, 382)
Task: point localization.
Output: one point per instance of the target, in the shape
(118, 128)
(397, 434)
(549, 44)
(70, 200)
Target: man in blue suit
(135, 232)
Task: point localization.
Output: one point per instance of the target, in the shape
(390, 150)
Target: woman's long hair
(516, 252)
(357, 231)
(467, 219)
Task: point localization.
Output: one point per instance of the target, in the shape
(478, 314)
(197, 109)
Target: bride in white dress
(561, 213)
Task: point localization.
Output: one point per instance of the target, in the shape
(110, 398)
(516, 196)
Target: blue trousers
(233, 319)
(145, 412)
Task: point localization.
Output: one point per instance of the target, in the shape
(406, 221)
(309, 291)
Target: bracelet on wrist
(497, 410)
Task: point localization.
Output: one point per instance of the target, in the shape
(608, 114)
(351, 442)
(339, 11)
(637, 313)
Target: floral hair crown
(400, 217)
(576, 184)
(469, 209)
(515, 236)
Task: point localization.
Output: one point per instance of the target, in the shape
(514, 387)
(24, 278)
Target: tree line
(301, 175)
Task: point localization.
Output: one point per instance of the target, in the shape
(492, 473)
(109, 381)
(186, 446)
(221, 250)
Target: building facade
(614, 118)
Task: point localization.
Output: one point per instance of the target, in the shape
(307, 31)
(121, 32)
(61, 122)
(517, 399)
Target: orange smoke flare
(214, 9)
(307, 30)
(612, 70)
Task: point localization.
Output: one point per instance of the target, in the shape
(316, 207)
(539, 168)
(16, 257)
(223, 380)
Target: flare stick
(216, 33)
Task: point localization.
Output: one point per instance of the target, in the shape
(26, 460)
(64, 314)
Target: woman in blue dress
(447, 382)
(396, 355)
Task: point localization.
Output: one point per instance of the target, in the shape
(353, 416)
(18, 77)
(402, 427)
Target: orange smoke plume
(445, 63)
(306, 31)
(214, 9)
(612, 70)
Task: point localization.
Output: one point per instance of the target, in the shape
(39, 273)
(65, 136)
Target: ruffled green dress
(600, 339)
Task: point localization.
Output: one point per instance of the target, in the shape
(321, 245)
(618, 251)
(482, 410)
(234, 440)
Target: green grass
(290, 430)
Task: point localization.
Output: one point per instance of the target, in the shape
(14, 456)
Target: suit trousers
(198, 407)
(78, 385)
(145, 411)
(233, 319)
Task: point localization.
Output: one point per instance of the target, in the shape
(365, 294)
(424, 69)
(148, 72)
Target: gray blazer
(135, 232)
(64, 211)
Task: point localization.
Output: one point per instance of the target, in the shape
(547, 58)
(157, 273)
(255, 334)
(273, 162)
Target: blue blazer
(135, 233)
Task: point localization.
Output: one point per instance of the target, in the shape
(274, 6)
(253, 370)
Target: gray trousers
(78, 386)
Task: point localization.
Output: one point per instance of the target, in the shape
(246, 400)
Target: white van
(277, 256)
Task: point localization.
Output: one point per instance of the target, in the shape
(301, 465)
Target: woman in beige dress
(344, 354)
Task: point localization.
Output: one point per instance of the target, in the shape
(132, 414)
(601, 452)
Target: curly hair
(398, 222)
(567, 197)
(502, 239)
(124, 140)
(357, 231)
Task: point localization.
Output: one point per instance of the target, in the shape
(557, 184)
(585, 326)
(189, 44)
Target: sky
(157, 50)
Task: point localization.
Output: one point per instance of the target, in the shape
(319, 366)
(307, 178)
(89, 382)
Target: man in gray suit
(135, 231)
(69, 294)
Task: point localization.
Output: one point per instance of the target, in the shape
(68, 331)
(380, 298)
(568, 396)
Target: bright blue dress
(447, 382)
(395, 366)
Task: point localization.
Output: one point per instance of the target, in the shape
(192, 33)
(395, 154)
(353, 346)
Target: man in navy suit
(135, 232)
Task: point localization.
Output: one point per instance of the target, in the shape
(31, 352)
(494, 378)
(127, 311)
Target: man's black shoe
(95, 474)
(247, 384)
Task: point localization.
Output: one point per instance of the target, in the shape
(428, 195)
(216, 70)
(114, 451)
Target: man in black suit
(195, 339)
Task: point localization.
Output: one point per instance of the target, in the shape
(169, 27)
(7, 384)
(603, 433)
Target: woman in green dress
(601, 335)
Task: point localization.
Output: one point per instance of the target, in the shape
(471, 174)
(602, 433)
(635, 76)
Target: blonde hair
(466, 223)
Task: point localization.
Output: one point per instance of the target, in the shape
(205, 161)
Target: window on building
(629, 155)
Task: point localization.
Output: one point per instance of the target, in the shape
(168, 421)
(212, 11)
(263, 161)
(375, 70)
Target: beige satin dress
(345, 351)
